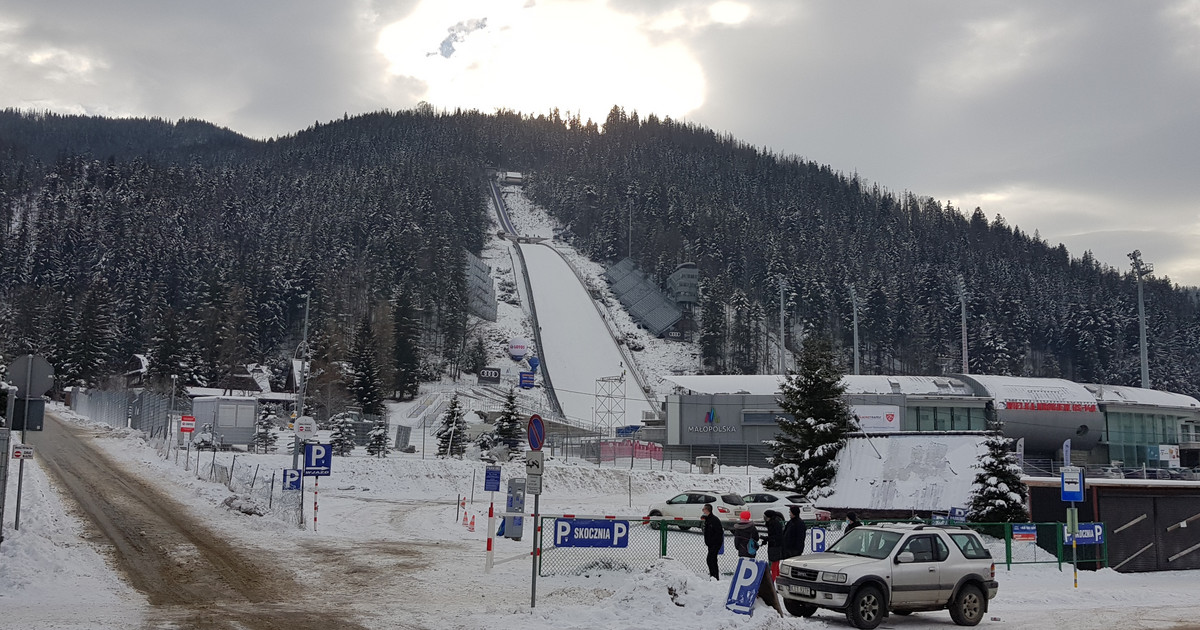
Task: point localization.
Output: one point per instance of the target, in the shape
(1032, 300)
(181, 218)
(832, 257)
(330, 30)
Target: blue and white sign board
(291, 479)
(1072, 484)
(578, 532)
(628, 430)
(937, 519)
(318, 459)
(819, 536)
(1024, 532)
(1089, 534)
(958, 515)
(743, 590)
(526, 380)
(491, 479)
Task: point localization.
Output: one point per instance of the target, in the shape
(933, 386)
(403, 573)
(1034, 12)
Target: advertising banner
(878, 418)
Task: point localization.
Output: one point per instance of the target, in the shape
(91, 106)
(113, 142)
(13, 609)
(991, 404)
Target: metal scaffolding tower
(610, 404)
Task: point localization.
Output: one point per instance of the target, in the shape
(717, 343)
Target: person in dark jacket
(853, 522)
(714, 537)
(774, 522)
(793, 535)
(745, 540)
(745, 536)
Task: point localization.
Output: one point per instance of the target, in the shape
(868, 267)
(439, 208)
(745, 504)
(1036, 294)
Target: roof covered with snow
(1138, 396)
(768, 385)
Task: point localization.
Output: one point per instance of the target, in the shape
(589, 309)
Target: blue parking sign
(318, 459)
(291, 479)
(743, 590)
(491, 479)
(819, 535)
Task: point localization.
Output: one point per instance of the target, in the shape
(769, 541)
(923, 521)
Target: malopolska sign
(712, 428)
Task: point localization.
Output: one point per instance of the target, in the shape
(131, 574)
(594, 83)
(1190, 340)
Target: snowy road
(578, 347)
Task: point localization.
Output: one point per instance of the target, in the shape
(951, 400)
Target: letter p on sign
(561, 531)
(318, 454)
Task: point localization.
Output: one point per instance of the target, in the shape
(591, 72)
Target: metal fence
(649, 540)
(257, 491)
(145, 410)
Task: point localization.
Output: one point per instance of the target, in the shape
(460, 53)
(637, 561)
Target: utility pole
(1142, 269)
(782, 332)
(962, 301)
(302, 350)
(854, 307)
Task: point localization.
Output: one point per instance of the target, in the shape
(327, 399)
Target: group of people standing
(784, 540)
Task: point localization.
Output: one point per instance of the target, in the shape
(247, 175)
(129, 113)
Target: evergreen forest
(198, 248)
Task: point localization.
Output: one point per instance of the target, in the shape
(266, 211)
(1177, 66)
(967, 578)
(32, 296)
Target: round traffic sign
(537, 432)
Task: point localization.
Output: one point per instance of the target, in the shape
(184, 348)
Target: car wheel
(866, 608)
(799, 609)
(967, 608)
(655, 524)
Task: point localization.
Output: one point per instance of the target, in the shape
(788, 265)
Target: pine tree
(808, 443)
(265, 434)
(364, 370)
(508, 425)
(377, 446)
(451, 435)
(404, 352)
(342, 439)
(998, 495)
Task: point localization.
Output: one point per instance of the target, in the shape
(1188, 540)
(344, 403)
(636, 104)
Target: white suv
(899, 568)
(687, 507)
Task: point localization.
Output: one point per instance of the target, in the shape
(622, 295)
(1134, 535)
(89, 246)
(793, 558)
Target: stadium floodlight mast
(962, 301)
(1141, 270)
(854, 307)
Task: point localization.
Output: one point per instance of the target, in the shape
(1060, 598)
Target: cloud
(579, 56)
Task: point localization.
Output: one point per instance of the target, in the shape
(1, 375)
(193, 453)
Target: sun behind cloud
(578, 56)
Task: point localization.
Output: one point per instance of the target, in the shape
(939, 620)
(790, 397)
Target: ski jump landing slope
(577, 344)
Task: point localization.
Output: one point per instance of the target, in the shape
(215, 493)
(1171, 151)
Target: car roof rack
(942, 526)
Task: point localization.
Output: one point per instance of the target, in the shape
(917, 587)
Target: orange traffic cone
(462, 503)
(471, 527)
(464, 519)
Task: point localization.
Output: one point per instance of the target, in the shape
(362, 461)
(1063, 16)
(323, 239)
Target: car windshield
(732, 499)
(869, 543)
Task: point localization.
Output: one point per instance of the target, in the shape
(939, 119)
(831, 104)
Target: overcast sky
(1080, 120)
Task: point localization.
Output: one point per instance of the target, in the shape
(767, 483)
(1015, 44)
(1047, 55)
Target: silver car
(875, 570)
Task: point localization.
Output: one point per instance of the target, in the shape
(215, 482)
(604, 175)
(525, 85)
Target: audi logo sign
(489, 375)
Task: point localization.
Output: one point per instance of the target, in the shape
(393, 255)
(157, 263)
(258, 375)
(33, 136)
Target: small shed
(232, 417)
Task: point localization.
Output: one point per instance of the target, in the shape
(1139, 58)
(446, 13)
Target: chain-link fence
(146, 411)
(649, 539)
(646, 540)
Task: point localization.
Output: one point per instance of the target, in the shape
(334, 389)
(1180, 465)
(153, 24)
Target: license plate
(802, 591)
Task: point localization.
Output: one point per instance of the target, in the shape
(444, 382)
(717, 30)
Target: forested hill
(123, 236)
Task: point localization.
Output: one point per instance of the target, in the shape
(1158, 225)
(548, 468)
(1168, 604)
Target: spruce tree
(342, 439)
(404, 352)
(508, 425)
(377, 446)
(451, 435)
(365, 384)
(265, 434)
(808, 443)
(998, 495)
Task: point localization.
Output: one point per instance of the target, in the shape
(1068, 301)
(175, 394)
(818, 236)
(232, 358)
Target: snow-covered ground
(52, 577)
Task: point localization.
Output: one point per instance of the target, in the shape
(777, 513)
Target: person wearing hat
(745, 540)
(852, 522)
(745, 536)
